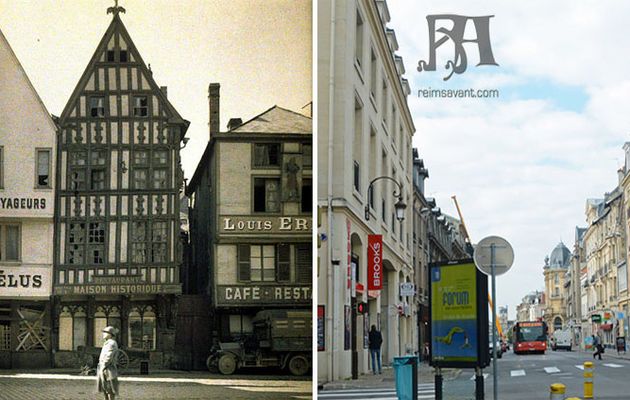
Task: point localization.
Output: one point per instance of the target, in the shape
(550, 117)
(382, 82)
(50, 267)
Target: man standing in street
(107, 372)
(597, 344)
(376, 340)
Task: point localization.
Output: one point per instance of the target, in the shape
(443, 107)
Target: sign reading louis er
(375, 262)
(458, 310)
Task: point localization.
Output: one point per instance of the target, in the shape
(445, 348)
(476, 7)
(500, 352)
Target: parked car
(561, 339)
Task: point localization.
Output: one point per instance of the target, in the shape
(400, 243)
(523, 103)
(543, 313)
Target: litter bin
(406, 375)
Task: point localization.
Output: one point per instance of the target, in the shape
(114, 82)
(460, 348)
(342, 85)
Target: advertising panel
(25, 281)
(375, 262)
(458, 313)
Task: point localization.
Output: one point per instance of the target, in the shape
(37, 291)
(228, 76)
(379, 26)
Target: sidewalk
(386, 379)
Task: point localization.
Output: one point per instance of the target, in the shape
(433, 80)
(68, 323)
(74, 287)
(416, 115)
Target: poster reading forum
(454, 313)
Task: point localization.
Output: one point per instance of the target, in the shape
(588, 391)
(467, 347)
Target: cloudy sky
(260, 51)
(523, 165)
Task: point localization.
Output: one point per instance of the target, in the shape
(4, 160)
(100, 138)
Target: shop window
(10, 242)
(72, 328)
(43, 169)
(304, 263)
(266, 195)
(140, 178)
(240, 325)
(159, 178)
(266, 155)
(159, 241)
(142, 328)
(139, 242)
(307, 196)
(140, 106)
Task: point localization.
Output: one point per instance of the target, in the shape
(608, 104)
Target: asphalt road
(524, 377)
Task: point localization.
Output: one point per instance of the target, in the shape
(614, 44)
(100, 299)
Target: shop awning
(606, 327)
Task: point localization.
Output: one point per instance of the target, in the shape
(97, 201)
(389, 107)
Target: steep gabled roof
(117, 26)
(13, 71)
(277, 120)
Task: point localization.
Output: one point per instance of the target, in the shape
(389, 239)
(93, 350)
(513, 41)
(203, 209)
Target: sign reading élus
(375, 262)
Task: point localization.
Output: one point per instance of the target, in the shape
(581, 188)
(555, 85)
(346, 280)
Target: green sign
(454, 318)
(596, 318)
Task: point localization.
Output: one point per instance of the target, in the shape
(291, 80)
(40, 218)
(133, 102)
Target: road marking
(425, 391)
(517, 372)
(613, 365)
(580, 367)
(485, 376)
(551, 370)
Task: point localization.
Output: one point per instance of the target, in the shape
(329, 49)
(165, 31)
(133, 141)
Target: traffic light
(362, 308)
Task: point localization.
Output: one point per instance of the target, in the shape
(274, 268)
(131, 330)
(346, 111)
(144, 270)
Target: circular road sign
(503, 255)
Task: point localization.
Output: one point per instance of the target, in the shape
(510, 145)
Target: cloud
(523, 165)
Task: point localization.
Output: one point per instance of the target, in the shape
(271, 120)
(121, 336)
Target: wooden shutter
(244, 270)
(304, 262)
(284, 263)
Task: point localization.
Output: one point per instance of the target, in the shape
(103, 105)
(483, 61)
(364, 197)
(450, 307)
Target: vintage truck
(280, 338)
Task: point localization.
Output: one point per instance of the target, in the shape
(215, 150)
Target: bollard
(588, 380)
(556, 391)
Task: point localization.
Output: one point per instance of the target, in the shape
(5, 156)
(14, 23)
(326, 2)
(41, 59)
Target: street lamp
(400, 205)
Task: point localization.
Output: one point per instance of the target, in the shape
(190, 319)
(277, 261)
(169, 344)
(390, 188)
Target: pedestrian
(376, 340)
(107, 372)
(597, 345)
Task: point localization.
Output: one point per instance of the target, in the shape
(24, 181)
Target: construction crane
(467, 239)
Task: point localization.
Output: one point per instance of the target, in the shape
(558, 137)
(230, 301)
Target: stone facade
(555, 271)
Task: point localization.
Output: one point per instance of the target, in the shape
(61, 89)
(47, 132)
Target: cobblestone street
(71, 387)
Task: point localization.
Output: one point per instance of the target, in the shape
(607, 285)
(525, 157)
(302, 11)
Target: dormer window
(111, 54)
(123, 56)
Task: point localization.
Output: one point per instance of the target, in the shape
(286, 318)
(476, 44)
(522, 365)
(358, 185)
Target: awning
(606, 327)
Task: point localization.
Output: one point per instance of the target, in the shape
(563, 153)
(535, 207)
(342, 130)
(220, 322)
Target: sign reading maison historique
(263, 294)
(260, 224)
(118, 285)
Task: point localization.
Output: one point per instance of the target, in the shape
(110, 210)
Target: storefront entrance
(24, 334)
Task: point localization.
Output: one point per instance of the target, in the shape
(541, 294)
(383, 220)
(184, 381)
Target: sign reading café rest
(256, 295)
(375, 262)
(241, 224)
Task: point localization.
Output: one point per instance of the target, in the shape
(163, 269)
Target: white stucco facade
(27, 147)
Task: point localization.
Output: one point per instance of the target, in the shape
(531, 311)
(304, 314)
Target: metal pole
(479, 392)
(494, 326)
(438, 383)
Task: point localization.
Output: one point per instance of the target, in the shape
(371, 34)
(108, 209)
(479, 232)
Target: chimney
(213, 103)
(164, 90)
(234, 123)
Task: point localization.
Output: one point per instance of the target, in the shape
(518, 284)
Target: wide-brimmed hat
(111, 330)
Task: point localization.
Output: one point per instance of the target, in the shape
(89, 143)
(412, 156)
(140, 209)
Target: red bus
(530, 337)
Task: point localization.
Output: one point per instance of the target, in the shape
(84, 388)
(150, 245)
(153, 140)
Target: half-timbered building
(117, 245)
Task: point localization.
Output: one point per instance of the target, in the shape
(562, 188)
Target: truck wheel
(211, 363)
(227, 364)
(298, 365)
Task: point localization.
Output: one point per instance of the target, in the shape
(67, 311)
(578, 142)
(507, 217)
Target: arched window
(557, 323)
(72, 327)
(105, 315)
